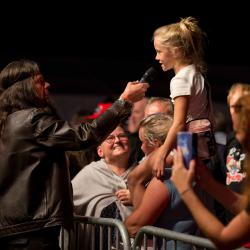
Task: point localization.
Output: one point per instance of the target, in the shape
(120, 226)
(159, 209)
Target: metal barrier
(85, 236)
(161, 236)
(84, 229)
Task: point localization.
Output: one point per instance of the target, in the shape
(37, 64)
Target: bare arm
(137, 180)
(141, 175)
(179, 121)
(224, 237)
(153, 203)
(231, 200)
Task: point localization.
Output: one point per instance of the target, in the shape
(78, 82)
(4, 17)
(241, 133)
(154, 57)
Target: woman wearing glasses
(100, 188)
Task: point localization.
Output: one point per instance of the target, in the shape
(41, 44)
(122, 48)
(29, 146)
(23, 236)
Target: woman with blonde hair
(160, 205)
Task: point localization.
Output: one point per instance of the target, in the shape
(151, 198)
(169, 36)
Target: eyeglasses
(111, 139)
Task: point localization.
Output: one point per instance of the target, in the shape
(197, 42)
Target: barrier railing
(148, 237)
(110, 234)
(160, 236)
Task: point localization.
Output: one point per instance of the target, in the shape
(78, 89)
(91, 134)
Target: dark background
(96, 47)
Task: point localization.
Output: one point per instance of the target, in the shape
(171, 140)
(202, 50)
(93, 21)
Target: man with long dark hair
(35, 188)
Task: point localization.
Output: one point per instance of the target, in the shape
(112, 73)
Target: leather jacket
(35, 187)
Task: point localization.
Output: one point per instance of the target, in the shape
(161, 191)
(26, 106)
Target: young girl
(179, 47)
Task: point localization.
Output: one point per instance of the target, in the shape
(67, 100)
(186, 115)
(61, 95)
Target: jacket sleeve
(53, 132)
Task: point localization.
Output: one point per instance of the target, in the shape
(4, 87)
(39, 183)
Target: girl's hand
(158, 168)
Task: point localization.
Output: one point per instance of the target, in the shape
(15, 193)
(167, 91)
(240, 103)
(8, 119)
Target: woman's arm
(154, 201)
(235, 234)
(231, 200)
(141, 175)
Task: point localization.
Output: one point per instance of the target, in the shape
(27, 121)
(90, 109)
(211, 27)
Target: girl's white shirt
(189, 82)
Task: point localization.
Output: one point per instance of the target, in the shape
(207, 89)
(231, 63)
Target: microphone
(149, 75)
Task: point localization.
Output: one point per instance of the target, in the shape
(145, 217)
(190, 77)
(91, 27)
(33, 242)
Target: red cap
(100, 109)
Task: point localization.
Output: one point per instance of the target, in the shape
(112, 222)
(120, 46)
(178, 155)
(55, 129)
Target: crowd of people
(122, 161)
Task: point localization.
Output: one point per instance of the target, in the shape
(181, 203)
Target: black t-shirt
(233, 170)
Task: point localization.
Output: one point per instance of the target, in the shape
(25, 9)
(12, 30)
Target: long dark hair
(17, 80)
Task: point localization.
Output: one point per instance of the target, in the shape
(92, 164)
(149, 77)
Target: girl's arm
(179, 122)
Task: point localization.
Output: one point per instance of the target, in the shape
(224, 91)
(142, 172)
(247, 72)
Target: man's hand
(134, 91)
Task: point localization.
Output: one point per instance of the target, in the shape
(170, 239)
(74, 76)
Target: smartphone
(187, 141)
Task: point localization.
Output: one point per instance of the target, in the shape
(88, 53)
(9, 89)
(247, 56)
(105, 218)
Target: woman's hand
(182, 177)
(124, 197)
